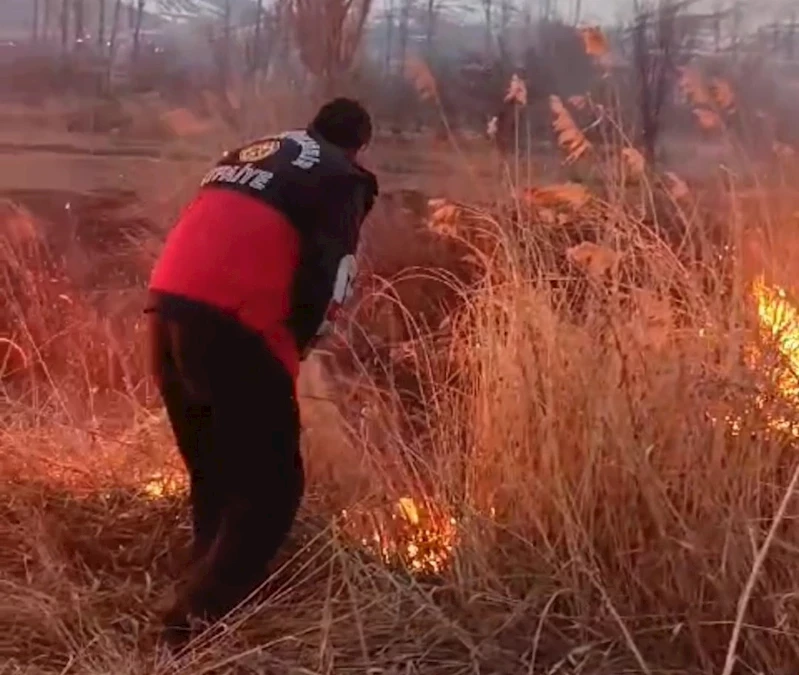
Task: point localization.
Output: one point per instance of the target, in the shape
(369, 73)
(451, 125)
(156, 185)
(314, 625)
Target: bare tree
(65, 7)
(527, 21)
(35, 22)
(432, 12)
(225, 55)
(506, 12)
(488, 17)
(737, 28)
(660, 46)
(80, 27)
(328, 34)
(497, 15)
(256, 40)
(112, 40)
(401, 110)
(406, 10)
(101, 25)
(46, 19)
(547, 9)
(577, 12)
(137, 23)
(220, 43)
(268, 33)
(390, 19)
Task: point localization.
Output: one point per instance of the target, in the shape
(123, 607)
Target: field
(555, 434)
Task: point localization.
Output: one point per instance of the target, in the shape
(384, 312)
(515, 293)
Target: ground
(544, 440)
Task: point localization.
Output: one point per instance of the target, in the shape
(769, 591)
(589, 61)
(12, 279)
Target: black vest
(326, 196)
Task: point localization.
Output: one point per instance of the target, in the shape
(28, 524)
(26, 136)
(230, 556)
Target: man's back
(295, 172)
(265, 236)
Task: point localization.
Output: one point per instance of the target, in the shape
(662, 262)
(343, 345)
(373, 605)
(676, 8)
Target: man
(249, 278)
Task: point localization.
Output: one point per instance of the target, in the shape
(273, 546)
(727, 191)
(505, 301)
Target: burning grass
(579, 460)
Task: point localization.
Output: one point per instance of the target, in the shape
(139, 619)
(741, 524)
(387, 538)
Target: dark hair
(343, 122)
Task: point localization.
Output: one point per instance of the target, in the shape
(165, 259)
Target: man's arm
(323, 282)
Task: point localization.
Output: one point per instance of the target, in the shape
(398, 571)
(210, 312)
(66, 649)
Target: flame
(422, 536)
(409, 510)
(419, 537)
(162, 486)
(780, 321)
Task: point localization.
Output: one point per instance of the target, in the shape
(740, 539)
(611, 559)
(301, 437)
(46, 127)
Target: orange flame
(420, 538)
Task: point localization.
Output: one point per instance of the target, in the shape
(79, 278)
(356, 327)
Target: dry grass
(554, 432)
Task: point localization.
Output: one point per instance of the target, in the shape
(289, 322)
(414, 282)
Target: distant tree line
(322, 47)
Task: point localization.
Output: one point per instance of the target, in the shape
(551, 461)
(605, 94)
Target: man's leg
(204, 494)
(192, 425)
(179, 367)
(257, 456)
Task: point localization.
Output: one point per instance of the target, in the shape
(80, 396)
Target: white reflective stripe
(342, 291)
(345, 277)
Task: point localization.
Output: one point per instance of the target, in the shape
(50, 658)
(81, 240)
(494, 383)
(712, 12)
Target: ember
(420, 538)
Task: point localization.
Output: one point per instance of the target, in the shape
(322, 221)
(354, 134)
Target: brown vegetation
(555, 434)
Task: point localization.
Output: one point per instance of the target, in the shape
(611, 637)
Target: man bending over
(250, 277)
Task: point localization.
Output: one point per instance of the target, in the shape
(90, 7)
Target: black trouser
(233, 410)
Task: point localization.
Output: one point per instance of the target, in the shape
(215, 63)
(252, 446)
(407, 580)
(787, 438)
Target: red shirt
(239, 255)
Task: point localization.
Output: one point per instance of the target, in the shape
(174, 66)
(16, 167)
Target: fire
(420, 538)
(780, 319)
(779, 323)
(161, 486)
(409, 510)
